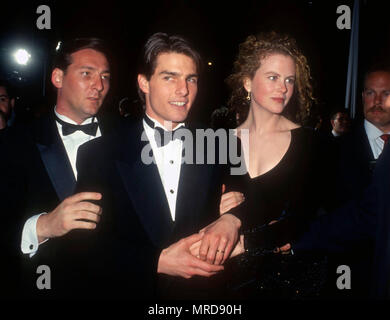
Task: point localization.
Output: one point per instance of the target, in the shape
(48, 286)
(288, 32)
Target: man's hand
(177, 260)
(219, 238)
(66, 216)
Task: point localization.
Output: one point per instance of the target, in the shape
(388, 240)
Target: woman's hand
(286, 249)
(239, 248)
(230, 200)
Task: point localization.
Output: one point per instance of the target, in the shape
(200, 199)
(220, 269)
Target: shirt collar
(334, 133)
(158, 124)
(68, 120)
(372, 131)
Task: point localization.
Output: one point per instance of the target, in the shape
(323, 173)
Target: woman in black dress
(272, 94)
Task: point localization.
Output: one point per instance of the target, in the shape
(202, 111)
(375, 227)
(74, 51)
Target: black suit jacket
(136, 223)
(353, 173)
(359, 220)
(37, 175)
(356, 163)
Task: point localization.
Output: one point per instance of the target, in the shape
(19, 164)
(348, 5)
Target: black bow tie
(68, 128)
(161, 136)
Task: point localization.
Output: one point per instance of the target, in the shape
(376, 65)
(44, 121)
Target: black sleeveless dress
(287, 194)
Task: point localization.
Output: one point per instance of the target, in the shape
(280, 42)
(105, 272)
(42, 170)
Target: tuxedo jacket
(367, 218)
(36, 177)
(136, 223)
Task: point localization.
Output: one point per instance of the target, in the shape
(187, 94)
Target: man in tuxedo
(39, 162)
(153, 212)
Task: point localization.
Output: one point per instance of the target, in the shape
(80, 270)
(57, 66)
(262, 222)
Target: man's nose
(98, 83)
(182, 88)
(378, 99)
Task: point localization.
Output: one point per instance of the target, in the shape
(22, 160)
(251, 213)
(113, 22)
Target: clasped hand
(203, 253)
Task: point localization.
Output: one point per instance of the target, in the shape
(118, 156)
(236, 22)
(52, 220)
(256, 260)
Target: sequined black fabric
(266, 275)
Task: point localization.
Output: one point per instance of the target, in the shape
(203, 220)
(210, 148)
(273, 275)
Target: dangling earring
(248, 97)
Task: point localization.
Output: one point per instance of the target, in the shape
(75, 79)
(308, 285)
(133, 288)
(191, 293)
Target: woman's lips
(280, 100)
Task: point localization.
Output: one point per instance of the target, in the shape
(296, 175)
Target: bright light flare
(22, 56)
(58, 45)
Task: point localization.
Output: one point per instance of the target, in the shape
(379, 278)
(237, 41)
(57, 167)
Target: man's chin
(92, 110)
(176, 119)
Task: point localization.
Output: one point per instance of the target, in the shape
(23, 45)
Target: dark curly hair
(251, 52)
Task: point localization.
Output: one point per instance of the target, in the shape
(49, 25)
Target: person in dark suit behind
(359, 151)
(340, 122)
(357, 154)
(36, 189)
(153, 211)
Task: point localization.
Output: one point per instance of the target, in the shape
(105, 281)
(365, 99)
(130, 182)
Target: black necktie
(68, 128)
(161, 136)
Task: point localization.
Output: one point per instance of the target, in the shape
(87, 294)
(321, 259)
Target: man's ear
(143, 83)
(12, 102)
(56, 78)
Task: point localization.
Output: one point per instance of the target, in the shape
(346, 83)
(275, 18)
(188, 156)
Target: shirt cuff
(30, 243)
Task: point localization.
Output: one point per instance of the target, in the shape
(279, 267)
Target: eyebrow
(172, 73)
(369, 88)
(273, 72)
(4, 95)
(93, 69)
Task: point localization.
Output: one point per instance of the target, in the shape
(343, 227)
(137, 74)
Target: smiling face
(84, 85)
(172, 88)
(376, 91)
(273, 83)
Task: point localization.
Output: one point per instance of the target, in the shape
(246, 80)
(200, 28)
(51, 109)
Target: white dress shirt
(374, 137)
(72, 142)
(334, 133)
(168, 161)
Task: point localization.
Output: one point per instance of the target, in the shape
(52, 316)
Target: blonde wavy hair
(251, 52)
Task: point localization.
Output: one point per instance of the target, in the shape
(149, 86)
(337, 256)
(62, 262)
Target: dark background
(216, 28)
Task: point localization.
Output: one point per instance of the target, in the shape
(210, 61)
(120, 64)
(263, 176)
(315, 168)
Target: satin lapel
(144, 187)
(55, 158)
